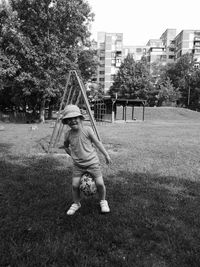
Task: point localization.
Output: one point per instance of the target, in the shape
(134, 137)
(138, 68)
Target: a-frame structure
(73, 94)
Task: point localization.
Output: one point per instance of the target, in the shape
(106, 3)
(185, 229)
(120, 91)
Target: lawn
(153, 188)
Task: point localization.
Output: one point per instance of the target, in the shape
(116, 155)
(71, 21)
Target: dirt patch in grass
(114, 148)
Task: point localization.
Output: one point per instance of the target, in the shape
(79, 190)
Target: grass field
(153, 188)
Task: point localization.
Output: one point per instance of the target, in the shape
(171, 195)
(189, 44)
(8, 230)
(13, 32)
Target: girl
(78, 144)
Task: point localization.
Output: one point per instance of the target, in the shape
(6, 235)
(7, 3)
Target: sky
(141, 20)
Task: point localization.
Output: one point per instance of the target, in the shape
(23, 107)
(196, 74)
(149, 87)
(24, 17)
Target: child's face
(74, 123)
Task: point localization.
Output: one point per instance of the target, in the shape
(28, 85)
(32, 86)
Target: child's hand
(108, 159)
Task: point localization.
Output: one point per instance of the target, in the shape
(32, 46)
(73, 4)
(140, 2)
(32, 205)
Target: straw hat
(72, 111)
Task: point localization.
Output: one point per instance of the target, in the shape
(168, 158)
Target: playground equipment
(74, 93)
(106, 109)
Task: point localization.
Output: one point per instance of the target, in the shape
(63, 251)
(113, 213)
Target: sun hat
(71, 111)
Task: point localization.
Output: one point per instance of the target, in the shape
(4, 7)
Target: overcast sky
(141, 20)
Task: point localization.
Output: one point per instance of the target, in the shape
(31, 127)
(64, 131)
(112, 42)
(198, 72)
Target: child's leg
(102, 194)
(101, 189)
(76, 196)
(75, 189)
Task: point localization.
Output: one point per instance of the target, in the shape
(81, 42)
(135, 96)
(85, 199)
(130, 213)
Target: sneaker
(104, 206)
(74, 207)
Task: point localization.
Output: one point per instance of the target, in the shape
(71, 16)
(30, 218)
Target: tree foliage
(185, 79)
(177, 82)
(132, 80)
(167, 93)
(40, 41)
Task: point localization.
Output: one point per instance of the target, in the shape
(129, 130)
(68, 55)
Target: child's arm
(67, 150)
(66, 146)
(101, 148)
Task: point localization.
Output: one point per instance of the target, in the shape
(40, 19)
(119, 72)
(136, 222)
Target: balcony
(196, 51)
(197, 44)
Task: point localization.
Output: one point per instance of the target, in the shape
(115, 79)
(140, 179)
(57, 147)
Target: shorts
(94, 170)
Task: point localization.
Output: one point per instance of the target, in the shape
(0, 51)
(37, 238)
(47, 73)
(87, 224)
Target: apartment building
(170, 46)
(161, 50)
(168, 41)
(188, 41)
(137, 52)
(110, 51)
(166, 49)
(156, 51)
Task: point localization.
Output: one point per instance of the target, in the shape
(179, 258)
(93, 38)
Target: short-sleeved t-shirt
(83, 152)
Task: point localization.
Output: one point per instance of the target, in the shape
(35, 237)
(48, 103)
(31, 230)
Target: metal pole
(143, 113)
(68, 98)
(62, 125)
(58, 116)
(78, 98)
(83, 90)
(132, 112)
(188, 102)
(60, 130)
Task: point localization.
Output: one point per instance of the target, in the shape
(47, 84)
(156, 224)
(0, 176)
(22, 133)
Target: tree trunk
(50, 112)
(42, 111)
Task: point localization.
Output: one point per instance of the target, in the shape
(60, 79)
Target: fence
(23, 117)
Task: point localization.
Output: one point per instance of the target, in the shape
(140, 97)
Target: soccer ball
(87, 185)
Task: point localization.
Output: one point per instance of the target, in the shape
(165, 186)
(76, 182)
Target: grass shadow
(154, 220)
(5, 148)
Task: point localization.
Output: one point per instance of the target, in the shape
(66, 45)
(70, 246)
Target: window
(197, 34)
(138, 50)
(156, 49)
(101, 79)
(113, 62)
(118, 46)
(196, 66)
(163, 57)
(102, 46)
(118, 60)
(171, 57)
(102, 72)
(102, 58)
(119, 37)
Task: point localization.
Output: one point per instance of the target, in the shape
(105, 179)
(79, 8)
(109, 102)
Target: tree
(9, 40)
(185, 79)
(42, 40)
(132, 80)
(95, 91)
(87, 63)
(179, 70)
(193, 92)
(167, 93)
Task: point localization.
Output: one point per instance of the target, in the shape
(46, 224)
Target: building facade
(156, 51)
(188, 41)
(168, 41)
(166, 49)
(110, 51)
(137, 52)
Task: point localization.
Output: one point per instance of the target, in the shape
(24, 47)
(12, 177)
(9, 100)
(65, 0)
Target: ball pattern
(87, 185)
